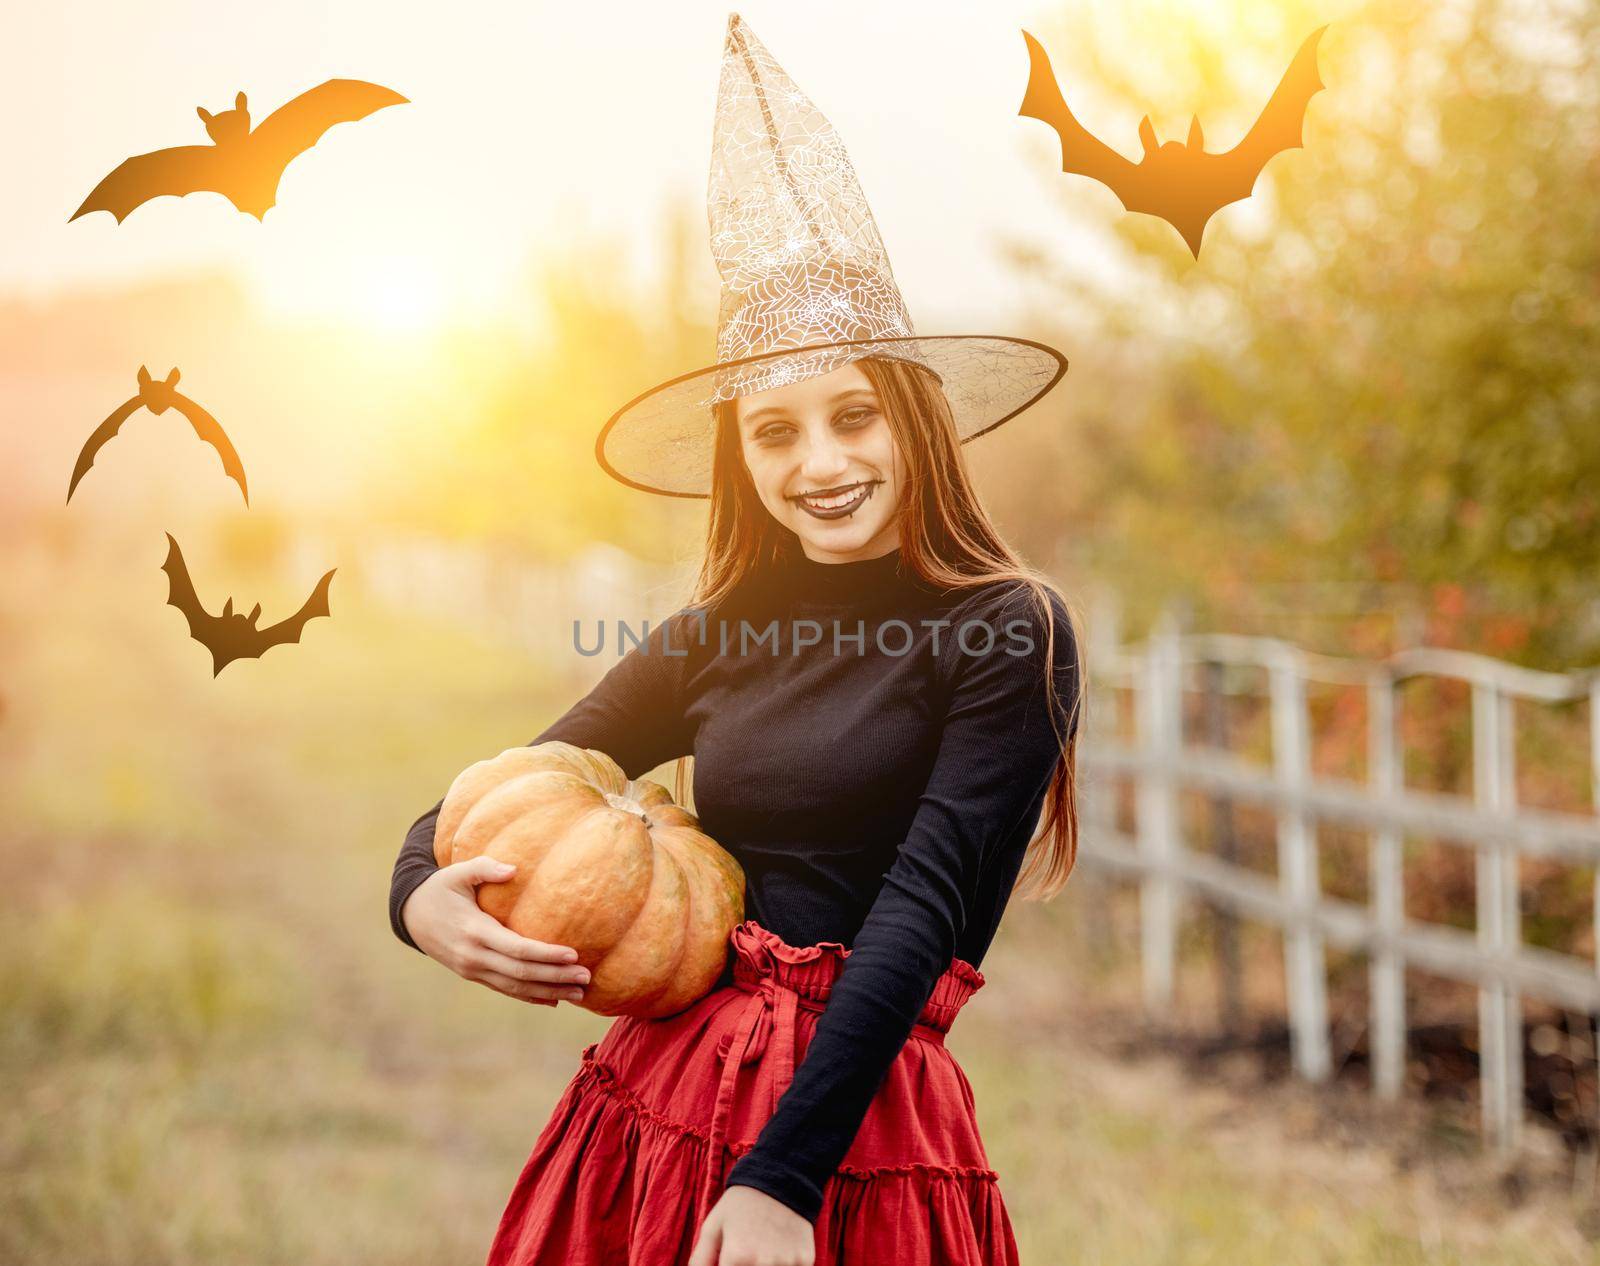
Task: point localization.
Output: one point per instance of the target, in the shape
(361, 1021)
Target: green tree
(1384, 371)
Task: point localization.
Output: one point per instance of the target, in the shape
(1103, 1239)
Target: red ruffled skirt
(638, 1148)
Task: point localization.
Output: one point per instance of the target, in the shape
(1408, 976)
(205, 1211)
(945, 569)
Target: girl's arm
(996, 756)
(634, 715)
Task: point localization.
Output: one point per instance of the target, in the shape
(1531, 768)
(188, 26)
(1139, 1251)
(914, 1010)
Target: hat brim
(662, 440)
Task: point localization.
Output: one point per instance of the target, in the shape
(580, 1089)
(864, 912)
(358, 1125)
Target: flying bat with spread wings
(158, 396)
(232, 636)
(242, 164)
(1181, 183)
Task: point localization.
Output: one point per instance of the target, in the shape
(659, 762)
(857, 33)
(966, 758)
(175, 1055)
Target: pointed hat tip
(738, 27)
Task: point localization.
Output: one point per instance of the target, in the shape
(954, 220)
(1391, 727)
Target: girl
(881, 705)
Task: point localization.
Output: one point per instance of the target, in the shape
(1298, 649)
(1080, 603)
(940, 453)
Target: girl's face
(825, 463)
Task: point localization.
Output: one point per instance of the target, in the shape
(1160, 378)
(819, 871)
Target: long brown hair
(946, 537)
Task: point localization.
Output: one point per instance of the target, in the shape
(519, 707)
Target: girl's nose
(824, 458)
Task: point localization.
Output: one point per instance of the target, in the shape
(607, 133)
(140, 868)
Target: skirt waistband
(763, 960)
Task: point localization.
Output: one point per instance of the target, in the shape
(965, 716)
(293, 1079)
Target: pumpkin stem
(627, 805)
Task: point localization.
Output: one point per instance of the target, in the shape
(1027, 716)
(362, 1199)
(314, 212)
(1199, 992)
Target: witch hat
(806, 288)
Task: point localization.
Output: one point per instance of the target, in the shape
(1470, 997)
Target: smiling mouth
(837, 502)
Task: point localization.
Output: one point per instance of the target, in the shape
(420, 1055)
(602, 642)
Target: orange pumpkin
(608, 865)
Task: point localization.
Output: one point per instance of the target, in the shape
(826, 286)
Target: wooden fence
(1494, 957)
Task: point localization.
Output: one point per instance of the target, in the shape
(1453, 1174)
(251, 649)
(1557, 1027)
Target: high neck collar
(860, 580)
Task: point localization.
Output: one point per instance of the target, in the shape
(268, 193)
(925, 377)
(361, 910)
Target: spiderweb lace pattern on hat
(800, 255)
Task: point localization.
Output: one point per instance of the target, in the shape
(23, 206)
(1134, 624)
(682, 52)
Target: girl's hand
(443, 918)
(747, 1227)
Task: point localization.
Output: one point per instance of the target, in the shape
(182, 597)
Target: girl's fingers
(524, 990)
(511, 988)
(539, 973)
(708, 1246)
(498, 936)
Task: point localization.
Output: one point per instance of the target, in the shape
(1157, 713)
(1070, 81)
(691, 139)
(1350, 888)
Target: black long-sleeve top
(877, 797)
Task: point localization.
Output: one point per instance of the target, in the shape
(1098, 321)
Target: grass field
(216, 1052)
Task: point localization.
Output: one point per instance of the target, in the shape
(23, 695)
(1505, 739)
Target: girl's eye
(781, 432)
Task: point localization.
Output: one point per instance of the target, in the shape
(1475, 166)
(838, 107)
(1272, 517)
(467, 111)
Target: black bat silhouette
(232, 636)
(1182, 184)
(158, 397)
(242, 165)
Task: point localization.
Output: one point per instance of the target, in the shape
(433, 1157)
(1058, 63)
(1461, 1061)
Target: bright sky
(528, 121)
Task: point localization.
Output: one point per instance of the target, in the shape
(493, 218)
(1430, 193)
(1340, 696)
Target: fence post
(1386, 967)
(1594, 794)
(1305, 968)
(1103, 625)
(1225, 847)
(1097, 802)
(1160, 705)
(1499, 929)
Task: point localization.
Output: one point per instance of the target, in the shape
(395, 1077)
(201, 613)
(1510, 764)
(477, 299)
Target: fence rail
(1493, 956)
